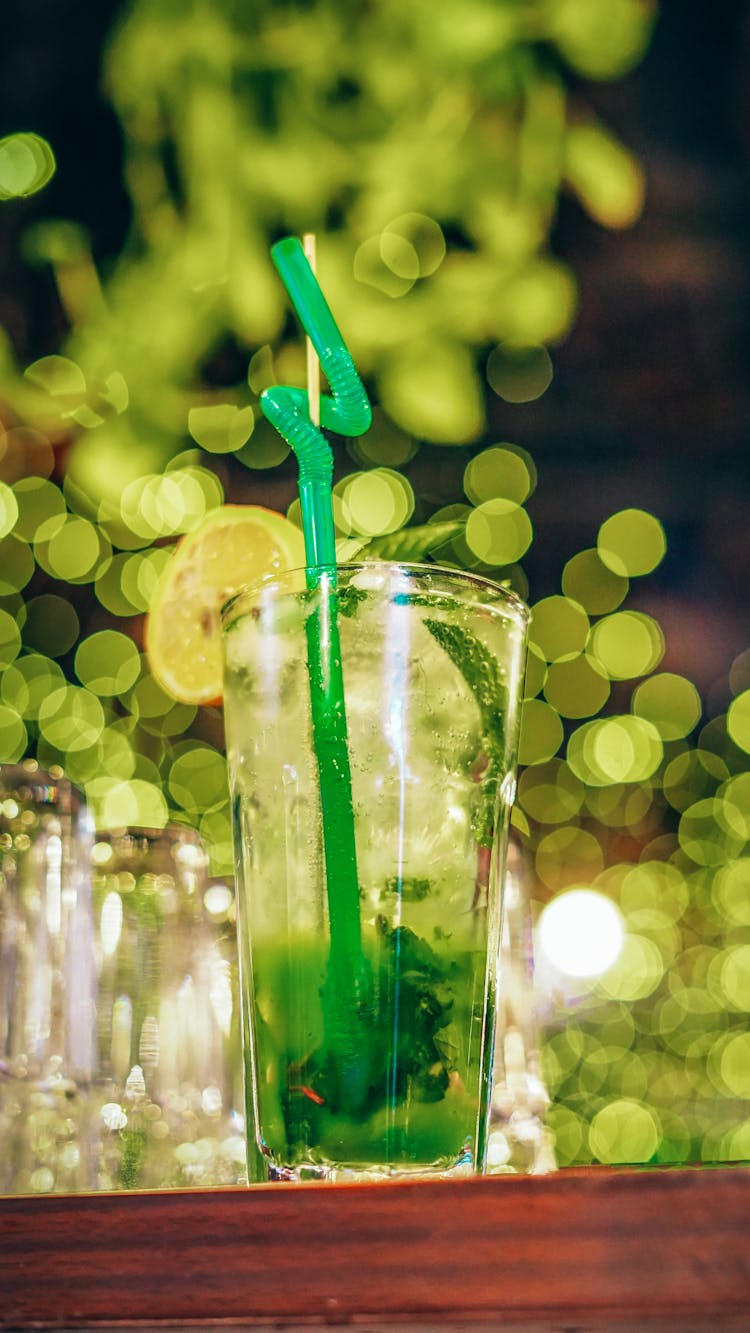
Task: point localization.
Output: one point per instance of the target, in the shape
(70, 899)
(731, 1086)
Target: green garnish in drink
(425, 1033)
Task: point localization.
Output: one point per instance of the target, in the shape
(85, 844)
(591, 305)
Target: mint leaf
(412, 544)
(481, 671)
(448, 1044)
(411, 888)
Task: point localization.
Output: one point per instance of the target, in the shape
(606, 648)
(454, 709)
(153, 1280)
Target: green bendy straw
(347, 411)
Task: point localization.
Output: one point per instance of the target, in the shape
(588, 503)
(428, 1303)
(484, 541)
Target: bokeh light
(498, 532)
(739, 672)
(10, 639)
(8, 509)
(216, 832)
(550, 792)
(735, 977)
(615, 750)
(712, 831)
(580, 932)
(387, 262)
(265, 449)
(500, 472)
(597, 588)
(74, 551)
(519, 374)
(631, 543)
(139, 575)
(70, 718)
(559, 628)
(51, 625)
(691, 775)
(27, 163)
(61, 377)
(398, 254)
(221, 428)
(625, 1131)
(541, 732)
(536, 673)
(16, 565)
(13, 735)
(198, 780)
(425, 239)
(735, 1065)
(108, 663)
(653, 886)
(28, 682)
(670, 702)
(155, 506)
(627, 644)
(730, 890)
(125, 582)
(636, 972)
(378, 501)
(134, 803)
(576, 687)
(738, 720)
(568, 856)
(38, 500)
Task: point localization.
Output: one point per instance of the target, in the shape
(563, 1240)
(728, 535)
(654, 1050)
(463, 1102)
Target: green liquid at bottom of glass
(410, 1099)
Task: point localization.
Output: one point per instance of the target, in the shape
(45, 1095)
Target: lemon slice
(233, 546)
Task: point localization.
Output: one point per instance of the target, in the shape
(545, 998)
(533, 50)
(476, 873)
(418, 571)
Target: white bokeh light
(581, 933)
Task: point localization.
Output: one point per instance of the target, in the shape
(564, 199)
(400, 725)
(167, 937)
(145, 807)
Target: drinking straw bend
(348, 410)
(345, 410)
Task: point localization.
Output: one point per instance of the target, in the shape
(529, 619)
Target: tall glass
(432, 664)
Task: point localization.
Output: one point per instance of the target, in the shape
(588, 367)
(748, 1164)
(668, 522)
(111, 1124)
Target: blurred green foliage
(432, 180)
(428, 149)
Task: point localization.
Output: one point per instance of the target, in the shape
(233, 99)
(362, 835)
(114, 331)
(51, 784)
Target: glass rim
(477, 582)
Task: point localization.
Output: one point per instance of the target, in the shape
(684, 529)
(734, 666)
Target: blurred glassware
(520, 1142)
(168, 1025)
(47, 984)
(120, 1049)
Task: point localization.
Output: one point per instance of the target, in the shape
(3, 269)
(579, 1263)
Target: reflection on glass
(519, 1141)
(167, 1014)
(47, 984)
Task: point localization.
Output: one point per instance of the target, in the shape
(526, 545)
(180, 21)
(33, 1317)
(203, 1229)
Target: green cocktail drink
(369, 1050)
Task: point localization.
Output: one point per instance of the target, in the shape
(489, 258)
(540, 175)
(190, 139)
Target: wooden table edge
(627, 1248)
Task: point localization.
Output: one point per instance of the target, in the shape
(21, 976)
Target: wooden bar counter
(583, 1250)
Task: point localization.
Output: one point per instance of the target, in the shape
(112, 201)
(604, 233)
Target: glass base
(338, 1173)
